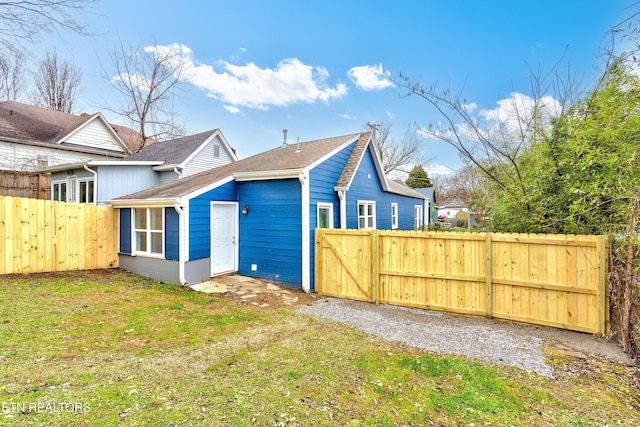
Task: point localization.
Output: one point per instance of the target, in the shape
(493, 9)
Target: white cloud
(290, 82)
(370, 77)
(514, 112)
(345, 116)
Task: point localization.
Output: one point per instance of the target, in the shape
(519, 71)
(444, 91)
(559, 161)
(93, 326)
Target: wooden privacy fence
(43, 236)
(552, 280)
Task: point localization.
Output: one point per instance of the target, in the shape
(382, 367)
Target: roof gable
(349, 172)
(180, 151)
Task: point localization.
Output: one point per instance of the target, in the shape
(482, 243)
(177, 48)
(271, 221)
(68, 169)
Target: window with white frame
(74, 190)
(216, 151)
(417, 216)
(325, 215)
(366, 215)
(149, 231)
(85, 191)
(59, 191)
(394, 215)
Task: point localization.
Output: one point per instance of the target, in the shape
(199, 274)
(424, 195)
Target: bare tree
(57, 83)
(493, 140)
(397, 155)
(468, 185)
(26, 20)
(12, 77)
(149, 81)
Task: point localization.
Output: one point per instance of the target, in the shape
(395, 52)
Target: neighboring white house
(450, 209)
(32, 138)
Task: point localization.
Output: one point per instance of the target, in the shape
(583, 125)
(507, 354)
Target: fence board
(41, 236)
(548, 280)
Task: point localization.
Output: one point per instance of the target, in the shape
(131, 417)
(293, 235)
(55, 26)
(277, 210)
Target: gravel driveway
(490, 340)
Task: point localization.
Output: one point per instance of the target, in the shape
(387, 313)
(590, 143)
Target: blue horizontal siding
(270, 234)
(200, 218)
(366, 186)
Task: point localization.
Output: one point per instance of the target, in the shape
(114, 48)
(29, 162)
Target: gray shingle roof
(26, 122)
(426, 191)
(277, 159)
(174, 151)
(402, 189)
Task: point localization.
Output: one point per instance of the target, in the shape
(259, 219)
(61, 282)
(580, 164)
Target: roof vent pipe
(298, 147)
(284, 137)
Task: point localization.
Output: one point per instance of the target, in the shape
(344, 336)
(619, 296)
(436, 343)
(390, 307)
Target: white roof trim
(266, 175)
(333, 153)
(133, 203)
(98, 163)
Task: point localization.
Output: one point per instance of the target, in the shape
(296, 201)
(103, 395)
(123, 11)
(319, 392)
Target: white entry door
(224, 233)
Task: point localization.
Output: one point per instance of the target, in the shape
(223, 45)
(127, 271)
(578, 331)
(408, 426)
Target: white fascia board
(146, 203)
(98, 163)
(333, 153)
(377, 163)
(227, 147)
(267, 175)
(161, 167)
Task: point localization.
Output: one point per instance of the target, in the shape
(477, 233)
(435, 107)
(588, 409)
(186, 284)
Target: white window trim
(367, 202)
(90, 194)
(134, 231)
(72, 183)
(59, 182)
(394, 216)
(418, 216)
(324, 206)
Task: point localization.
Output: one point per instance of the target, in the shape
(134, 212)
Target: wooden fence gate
(551, 280)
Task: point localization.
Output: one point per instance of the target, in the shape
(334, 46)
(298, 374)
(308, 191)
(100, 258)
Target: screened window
(366, 215)
(149, 231)
(325, 215)
(394, 215)
(216, 151)
(417, 216)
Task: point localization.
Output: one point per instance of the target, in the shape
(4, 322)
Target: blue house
(257, 216)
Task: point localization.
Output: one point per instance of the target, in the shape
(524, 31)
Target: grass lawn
(108, 348)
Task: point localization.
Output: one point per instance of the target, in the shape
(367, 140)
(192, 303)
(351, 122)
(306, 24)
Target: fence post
(488, 273)
(318, 279)
(602, 249)
(375, 267)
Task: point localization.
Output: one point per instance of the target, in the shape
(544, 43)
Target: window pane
(63, 192)
(156, 219)
(83, 192)
(141, 241)
(370, 222)
(361, 210)
(370, 209)
(141, 219)
(156, 243)
(323, 218)
(90, 192)
(360, 222)
(56, 192)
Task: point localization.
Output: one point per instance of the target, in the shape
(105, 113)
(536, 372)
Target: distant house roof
(29, 124)
(452, 203)
(130, 137)
(26, 122)
(175, 151)
(429, 192)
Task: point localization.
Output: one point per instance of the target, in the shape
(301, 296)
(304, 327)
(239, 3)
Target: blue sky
(315, 67)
